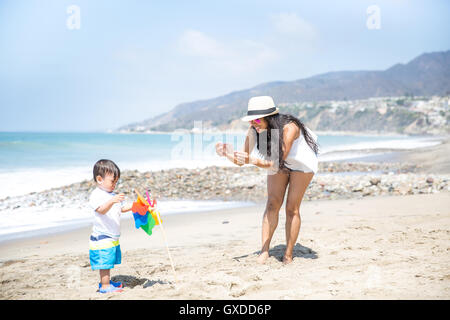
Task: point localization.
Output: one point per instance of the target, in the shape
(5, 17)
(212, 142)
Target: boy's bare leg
(105, 278)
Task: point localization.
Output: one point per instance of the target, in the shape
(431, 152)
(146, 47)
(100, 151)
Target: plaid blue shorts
(104, 252)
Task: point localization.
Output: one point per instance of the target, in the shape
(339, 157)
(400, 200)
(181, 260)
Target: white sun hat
(259, 107)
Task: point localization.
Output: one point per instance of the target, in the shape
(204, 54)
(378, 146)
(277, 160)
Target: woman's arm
(265, 164)
(240, 158)
(290, 133)
(227, 150)
(250, 140)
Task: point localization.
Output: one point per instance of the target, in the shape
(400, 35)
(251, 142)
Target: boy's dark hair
(104, 166)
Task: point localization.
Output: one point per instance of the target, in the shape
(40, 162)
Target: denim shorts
(303, 171)
(290, 170)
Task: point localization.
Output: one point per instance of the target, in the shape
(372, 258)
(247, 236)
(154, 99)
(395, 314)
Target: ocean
(33, 162)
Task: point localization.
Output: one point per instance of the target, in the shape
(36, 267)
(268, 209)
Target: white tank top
(301, 156)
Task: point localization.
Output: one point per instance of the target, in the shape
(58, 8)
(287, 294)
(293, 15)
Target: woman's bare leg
(276, 188)
(298, 183)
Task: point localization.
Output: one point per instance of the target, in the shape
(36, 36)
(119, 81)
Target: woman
(289, 151)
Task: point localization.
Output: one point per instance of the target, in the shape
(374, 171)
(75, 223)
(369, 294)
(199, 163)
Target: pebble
(334, 180)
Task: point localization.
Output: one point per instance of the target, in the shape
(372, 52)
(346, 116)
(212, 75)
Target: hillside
(425, 76)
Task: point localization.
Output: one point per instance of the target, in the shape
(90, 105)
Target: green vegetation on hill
(335, 101)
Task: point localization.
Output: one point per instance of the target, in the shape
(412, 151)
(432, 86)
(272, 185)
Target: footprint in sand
(243, 291)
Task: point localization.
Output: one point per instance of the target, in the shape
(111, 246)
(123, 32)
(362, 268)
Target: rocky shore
(335, 180)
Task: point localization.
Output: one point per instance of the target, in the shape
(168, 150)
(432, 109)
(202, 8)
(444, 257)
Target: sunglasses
(258, 121)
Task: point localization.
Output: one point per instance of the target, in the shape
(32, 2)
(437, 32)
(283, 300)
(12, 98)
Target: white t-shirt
(108, 223)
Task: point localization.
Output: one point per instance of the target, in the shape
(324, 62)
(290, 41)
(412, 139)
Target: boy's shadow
(299, 251)
(131, 281)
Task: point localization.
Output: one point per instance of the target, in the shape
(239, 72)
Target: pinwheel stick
(162, 229)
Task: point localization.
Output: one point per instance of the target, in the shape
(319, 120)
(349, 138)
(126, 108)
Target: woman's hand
(228, 149)
(224, 149)
(220, 149)
(241, 158)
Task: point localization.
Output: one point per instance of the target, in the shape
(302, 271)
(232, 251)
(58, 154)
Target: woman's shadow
(278, 251)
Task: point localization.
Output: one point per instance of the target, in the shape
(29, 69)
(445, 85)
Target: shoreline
(47, 178)
(319, 132)
(68, 226)
(424, 171)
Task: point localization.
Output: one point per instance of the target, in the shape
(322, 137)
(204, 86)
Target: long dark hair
(277, 122)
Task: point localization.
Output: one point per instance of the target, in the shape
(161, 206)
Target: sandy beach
(435, 159)
(394, 247)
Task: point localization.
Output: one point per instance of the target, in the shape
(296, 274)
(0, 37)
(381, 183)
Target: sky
(89, 66)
